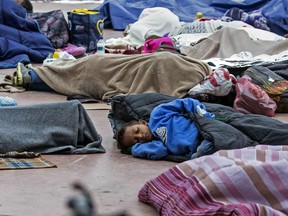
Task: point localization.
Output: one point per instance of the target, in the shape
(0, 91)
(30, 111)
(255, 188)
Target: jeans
(37, 83)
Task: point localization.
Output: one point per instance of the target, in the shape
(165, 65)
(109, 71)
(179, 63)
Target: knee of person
(163, 56)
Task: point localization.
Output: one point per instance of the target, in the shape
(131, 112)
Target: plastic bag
(219, 83)
(250, 98)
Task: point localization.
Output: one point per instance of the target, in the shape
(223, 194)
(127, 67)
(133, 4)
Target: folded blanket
(6, 84)
(23, 160)
(102, 76)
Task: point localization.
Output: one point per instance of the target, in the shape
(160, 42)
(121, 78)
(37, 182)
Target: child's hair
(27, 5)
(120, 136)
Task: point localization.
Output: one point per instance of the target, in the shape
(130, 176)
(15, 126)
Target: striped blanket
(248, 181)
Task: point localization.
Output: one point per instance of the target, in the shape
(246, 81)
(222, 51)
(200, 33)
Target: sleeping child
(169, 131)
(186, 129)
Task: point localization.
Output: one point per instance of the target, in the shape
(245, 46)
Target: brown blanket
(229, 41)
(105, 75)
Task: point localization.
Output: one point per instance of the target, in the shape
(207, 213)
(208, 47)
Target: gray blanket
(229, 41)
(102, 76)
(62, 127)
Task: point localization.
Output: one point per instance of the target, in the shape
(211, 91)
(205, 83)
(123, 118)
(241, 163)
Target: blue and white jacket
(175, 134)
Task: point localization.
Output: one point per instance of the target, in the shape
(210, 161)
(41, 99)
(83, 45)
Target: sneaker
(21, 76)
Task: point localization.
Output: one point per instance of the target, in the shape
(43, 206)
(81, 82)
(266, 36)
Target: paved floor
(113, 179)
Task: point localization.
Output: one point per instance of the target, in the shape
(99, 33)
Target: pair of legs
(28, 78)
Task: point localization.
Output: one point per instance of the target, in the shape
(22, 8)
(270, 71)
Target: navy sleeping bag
(119, 13)
(20, 39)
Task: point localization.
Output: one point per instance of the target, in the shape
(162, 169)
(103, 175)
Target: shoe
(74, 50)
(21, 76)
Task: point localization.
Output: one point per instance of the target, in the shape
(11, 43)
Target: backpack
(53, 25)
(274, 85)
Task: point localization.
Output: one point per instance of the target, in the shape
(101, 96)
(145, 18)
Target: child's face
(138, 133)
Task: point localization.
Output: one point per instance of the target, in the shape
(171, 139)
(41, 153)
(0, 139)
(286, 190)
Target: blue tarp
(119, 13)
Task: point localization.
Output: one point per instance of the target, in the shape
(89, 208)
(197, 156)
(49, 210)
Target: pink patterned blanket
(248, 181)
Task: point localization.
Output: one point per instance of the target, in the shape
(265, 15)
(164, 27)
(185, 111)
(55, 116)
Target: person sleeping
(102, 76)
(169, 131)
(59, 128)
(188, 129)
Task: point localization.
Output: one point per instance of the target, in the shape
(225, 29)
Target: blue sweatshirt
(174, 133)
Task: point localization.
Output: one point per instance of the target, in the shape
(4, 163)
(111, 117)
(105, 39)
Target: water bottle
(101, 45)
(7, 101)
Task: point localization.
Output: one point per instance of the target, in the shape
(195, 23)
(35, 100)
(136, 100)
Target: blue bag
(85, 28)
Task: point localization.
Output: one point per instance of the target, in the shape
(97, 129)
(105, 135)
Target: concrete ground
(112, 178)
(41, 6)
